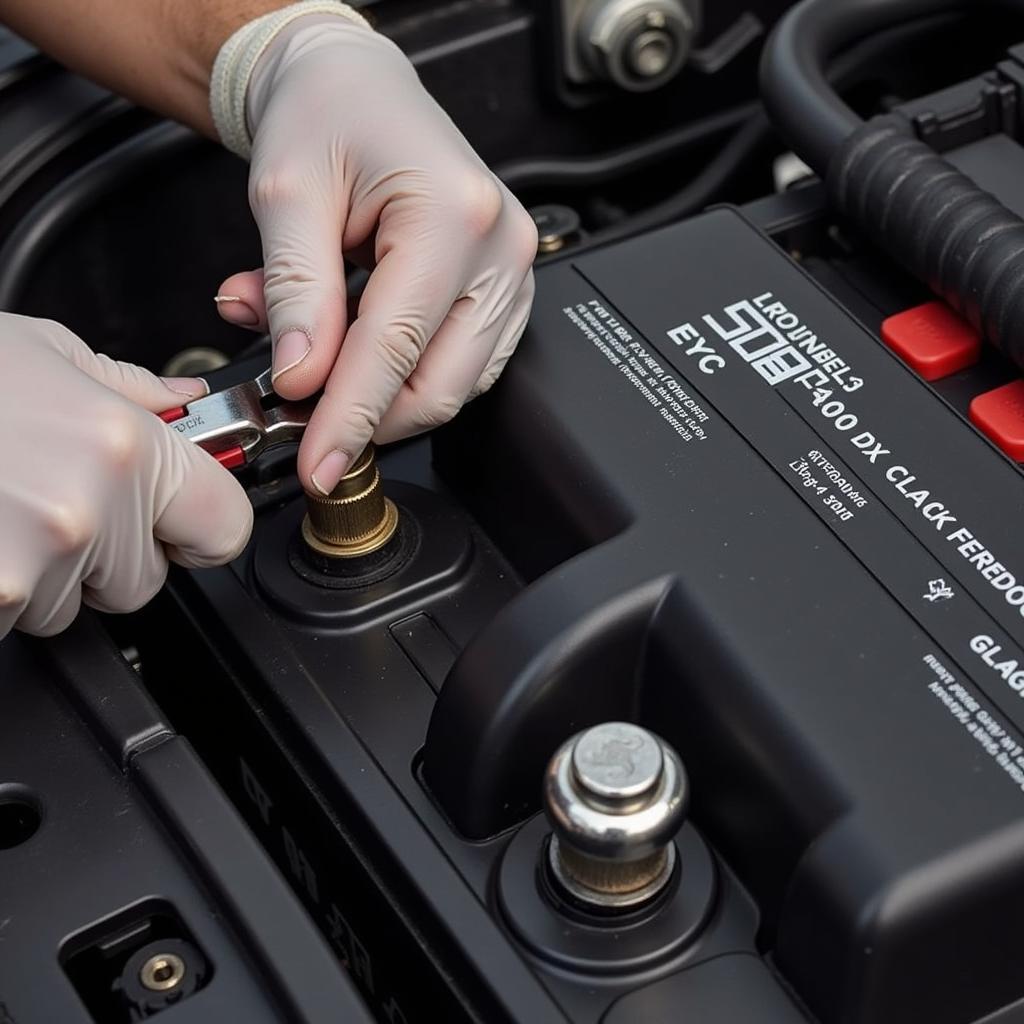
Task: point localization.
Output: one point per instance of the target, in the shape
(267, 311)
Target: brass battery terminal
(355, 519)
(350, 537)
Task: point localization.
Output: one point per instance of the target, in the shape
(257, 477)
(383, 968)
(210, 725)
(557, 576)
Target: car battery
(706, 498)
(836, 644)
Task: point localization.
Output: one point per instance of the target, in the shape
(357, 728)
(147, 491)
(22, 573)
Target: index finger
(405, 302)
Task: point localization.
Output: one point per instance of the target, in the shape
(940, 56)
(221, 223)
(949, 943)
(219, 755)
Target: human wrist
(246, 63)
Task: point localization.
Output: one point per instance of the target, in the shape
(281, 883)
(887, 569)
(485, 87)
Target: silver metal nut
(615, 796)
(637, 44)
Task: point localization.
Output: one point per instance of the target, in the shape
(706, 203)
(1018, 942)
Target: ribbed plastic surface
(955, 237)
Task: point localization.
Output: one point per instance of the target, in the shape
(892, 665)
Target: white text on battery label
(849, 492)
(772, 340)
(990, 568)
(1009, 668)
(802, 468)
(996, 740)
(708, 360)
(660, 389)
(934, 511)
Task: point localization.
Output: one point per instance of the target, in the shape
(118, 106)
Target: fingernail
(332, 468)
(238, 312)
(190, 387)
(291, 348)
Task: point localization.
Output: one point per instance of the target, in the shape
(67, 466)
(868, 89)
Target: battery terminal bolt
(162, 972)
(355, 519)
(615, 796)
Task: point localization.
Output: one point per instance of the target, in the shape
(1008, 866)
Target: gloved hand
(96, 493)
(351, 155)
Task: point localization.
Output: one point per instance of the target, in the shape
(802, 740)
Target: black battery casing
(768, 550)
(830, 647)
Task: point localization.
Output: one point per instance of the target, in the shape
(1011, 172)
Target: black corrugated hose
(951, 234)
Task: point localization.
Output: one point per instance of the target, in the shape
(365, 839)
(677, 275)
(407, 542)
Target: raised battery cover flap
(876, 677)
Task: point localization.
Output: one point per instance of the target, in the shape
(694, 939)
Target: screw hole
(19, 816)
(162, 972)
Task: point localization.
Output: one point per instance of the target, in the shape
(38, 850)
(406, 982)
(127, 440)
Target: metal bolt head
(650, 53)
(615, 792)
(616, 762)
(556, 225)
(636, 44)
(615, 796)
(163, 972)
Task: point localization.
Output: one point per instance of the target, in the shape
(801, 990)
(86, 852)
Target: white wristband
(236, 59)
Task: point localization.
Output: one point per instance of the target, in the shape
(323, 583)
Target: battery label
(919, 499)
(755, 333)
(660, 389)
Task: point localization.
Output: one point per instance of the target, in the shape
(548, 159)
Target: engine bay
(679, 677)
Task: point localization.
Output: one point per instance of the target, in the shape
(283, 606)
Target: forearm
(158, 53)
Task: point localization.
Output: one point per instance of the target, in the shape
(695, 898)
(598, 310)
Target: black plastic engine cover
(115, 841)
(790, 557)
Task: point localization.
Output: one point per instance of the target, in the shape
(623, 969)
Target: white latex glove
(351, 155)
(96, 492)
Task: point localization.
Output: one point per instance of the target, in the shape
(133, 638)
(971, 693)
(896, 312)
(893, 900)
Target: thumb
(303, 277)
(135, 383)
